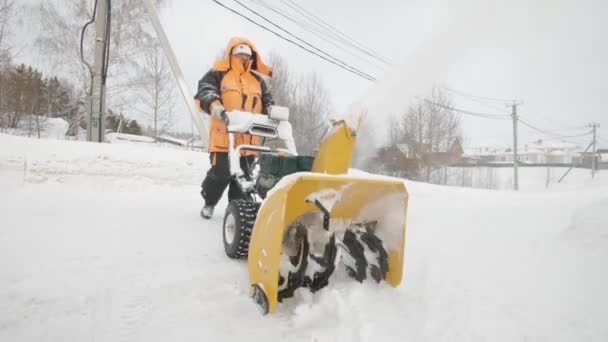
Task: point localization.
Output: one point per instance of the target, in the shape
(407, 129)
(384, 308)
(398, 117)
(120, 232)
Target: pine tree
(133, 128)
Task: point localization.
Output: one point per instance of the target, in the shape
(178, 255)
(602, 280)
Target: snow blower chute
(300, 218)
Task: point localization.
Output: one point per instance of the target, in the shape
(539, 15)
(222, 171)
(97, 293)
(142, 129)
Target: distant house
(537, 152)
(406, 160)
(556, 152)
(445, 158)
(525, 155)
(394, 160)
(483, 154)
(585, 159)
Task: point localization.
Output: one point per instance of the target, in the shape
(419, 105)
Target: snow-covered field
(102, 242)
(501, 178)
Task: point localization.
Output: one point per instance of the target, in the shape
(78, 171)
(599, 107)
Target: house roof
(553, 144)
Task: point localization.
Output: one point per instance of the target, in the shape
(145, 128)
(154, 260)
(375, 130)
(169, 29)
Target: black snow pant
(218, 178)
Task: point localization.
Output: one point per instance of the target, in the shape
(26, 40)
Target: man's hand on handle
(216, 109)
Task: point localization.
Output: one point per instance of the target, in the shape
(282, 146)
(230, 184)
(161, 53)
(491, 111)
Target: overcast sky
(549, 54)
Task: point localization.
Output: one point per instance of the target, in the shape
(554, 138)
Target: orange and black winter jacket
(238, 88)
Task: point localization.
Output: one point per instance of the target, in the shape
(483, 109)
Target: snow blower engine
(300, 218)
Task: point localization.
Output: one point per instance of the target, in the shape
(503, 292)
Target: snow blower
(300, 217)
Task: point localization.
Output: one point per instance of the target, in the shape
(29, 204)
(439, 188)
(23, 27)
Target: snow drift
(104, 242)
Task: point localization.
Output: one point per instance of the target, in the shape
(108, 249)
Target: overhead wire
(484, 100)
(106, 48)
(479, 98)
(548, 133)
(314, 30)
(84, 28)
(554, 124)
(468, 112)
(484, 103)
(321, 23)
(355, 71)
(297, 38)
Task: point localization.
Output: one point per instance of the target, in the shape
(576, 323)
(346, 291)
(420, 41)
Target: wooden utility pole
(96, 120)
(594, 126)
(515, 157)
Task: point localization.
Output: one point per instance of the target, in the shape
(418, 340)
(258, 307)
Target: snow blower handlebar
(275, 125)
(225, 117)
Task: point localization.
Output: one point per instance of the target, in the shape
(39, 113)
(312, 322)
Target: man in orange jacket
(233, 83)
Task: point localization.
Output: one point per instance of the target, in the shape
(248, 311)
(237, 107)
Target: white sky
(550, 54)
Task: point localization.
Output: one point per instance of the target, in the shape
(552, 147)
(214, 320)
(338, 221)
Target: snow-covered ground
(501, 178)
(102, 242)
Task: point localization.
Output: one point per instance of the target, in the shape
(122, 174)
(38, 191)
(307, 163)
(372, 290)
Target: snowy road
(104, 243)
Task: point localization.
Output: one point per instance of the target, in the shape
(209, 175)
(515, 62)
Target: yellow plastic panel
(354, 197)
(335, 151)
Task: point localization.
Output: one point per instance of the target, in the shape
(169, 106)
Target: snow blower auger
(300, 218)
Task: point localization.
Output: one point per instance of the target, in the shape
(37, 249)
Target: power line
(554, 123)
(491, 116)
(555, 131)
(484, 101)
(548, 133)
(106, 52)
(478, 98)
(481, 102)
(298, 38)
(356, 72)
(306, 26)
(322, 23)
(84, 28)
(467, 112)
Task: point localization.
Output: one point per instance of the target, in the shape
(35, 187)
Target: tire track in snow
(132, 306)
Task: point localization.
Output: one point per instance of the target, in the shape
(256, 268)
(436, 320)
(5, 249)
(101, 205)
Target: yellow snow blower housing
(311, 221)
(300, 218)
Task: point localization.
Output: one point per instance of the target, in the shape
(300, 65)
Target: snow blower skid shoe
(313, 223)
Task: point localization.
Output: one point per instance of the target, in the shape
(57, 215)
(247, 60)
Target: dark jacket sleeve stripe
(267, 100)
(209, 89)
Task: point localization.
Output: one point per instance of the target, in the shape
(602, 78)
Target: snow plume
(428, 63)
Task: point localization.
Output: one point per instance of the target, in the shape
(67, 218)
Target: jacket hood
(257, 63)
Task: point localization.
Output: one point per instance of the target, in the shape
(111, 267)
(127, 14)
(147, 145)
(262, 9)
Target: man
(234, 83)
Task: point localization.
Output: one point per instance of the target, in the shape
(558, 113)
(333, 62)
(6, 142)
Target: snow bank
(50, 128)
(530, 178)
(104, 242)
(102, 166)
(123, 137)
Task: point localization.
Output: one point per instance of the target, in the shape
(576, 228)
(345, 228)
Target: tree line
(27, 97)
(140, 83)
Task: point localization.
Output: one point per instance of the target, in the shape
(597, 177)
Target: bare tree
(157, 88)
(7, 8)
(281, 84)
(427, 126)
(63, 21)
(307, 99)
(6, 13)
(309, 120)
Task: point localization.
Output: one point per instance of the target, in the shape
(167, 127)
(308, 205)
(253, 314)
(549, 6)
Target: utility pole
(96, 120)
(515, 170)
(594, 126)
(198, 119)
